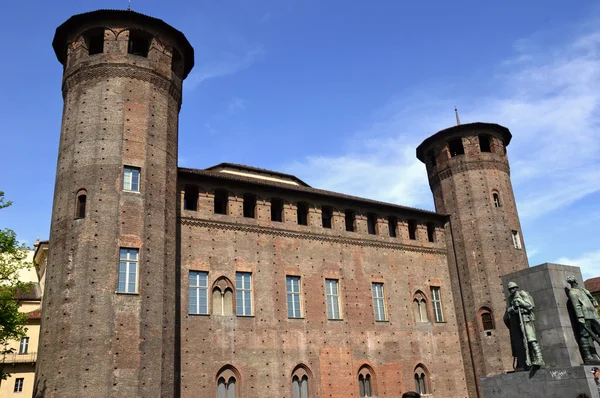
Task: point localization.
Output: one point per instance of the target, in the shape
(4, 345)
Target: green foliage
(12, 260)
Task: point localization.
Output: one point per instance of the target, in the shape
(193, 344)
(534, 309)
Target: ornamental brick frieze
(307, 236)
(107, 71)
(462, 167)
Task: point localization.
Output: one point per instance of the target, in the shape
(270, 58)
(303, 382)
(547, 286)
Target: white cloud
(588, 262)
(548, 97)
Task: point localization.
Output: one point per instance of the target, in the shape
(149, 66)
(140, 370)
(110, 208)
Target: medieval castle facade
(234, 281)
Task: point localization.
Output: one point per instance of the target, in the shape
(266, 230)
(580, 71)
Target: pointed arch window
(420, 308)
(222, 297)
(496, 198)
(421, 380)
(301, 382)
(228, 383)
(366, 382)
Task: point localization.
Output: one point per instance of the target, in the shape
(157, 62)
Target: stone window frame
(330, 295)
(437, 304)
(366, 381)
(379, 301)
(419, 302)
(294, 294)
(222, 286)
(227, 373)
(486, 326)
(128, 262)
(299, 374)
(80, 206)
(240, 294)
(422, 380)
(128, 182)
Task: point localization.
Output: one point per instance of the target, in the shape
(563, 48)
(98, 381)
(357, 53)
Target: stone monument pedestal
(564, 375)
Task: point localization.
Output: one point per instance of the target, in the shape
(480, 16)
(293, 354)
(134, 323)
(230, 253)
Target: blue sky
(340, 93)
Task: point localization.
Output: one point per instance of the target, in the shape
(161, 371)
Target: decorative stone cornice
(128, 71)
(203, 223)
(461, 167)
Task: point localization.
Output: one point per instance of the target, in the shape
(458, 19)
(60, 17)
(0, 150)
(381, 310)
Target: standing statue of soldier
(584, 305)
(519, 318)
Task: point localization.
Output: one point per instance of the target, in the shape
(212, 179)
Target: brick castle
(235, 281)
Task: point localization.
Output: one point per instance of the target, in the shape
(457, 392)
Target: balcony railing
(20, 358)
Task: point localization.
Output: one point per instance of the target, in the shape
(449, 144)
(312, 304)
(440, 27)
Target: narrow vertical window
(516, 240)
(302, 212)
(19, 384)
(300, 382)
(420, 308)
(326, 214)
(139, 43)
(131, 178)
(487, 321)
(372, 223)
(349, 215)
(198, 292)
(412, 229)
(392, 225)
(456, 147)
(220, 201)
(436, 299)
(421, 384)
(292, 284)
(128, 270)
(249, 205)
(24, 345)
(378, 302)
(276, 209)
(484, 143)
(431, 232)
(333, 301)
(431, 158)
(243, 293)
(81, 203)
(496, 197)
(190, 197)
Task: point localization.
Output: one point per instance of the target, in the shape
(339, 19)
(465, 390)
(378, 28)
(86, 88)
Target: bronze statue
(519, 318)
(584, 305)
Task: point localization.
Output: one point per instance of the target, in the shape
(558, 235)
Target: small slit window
(81, 204)
(484, 143)
(249, 205)
(392, 226)
(220, 201)
(412, 229)
(456, 147)
(276, 209)
(190, 197)
(302, 212)
(372, 223)
(496, 198)
(139, 43)
(177, 63)
(326, 213)
(95, 41)
(349, 216)
(431, 232)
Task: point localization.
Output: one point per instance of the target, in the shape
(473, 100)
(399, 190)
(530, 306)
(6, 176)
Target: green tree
(12, 260)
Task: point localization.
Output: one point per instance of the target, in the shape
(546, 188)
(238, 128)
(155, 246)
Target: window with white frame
(243, 293)
(198, 293)
(378, 302)
(131, 178)
(19, 384)
(24, 346)
(333, 299)
(128, 270)
(516, 240)
(436, 300)
(292, 285)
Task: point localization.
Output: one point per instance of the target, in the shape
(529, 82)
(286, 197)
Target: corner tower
(469, 176)
(110, 301)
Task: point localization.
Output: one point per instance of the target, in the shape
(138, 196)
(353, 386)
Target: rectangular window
(249, 205)
(349, 216)
(436, 299)
(292, 284)
(190, 197)
(516, 239)
(128, 270)
(198, 293)
(392, 225)
(19, 384)
(243, 293)
(333, 299)
(326, 214)
(379, 302)
(412, 229)
(131, 178)
(276, 209)
(456, 147)
(24, 346)
(372, 223)
(302, 211)
(221, 198)
(431, 232)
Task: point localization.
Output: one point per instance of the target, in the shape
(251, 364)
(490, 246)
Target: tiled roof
(31, 293)
(305, 189)
(35, 314)
(593, 285)
(259, 170)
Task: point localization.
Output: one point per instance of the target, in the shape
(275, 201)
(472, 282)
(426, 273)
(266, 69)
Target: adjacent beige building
(21, 363)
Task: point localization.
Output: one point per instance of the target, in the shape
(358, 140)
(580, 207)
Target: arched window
(81, 204)
(228, 382)
(420, 308)
(222, 297)
(496, 198)
(300, 382)
(366, 381)
(421, 382)
(487, 319)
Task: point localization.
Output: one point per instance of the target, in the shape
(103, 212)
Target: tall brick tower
(469, 176)
(110, 304)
